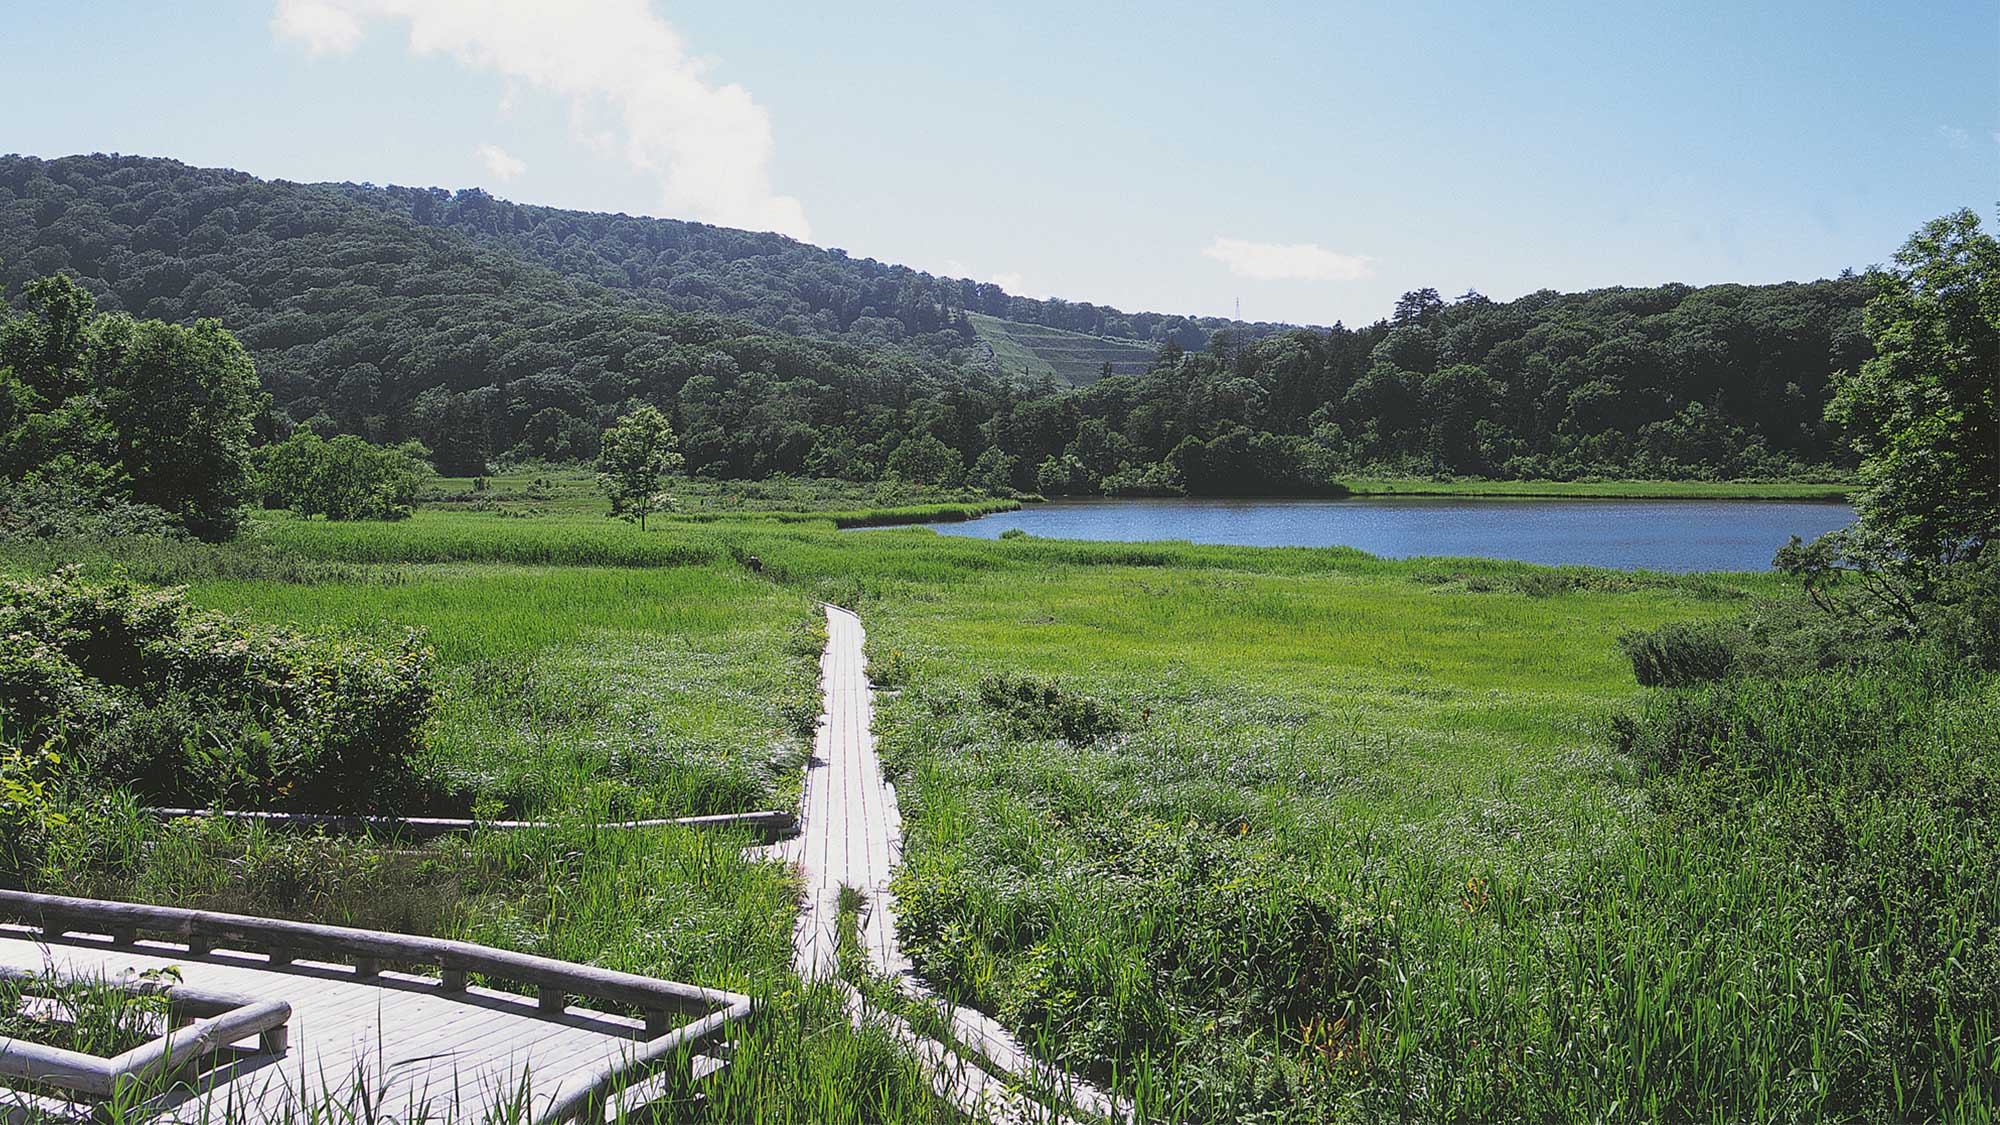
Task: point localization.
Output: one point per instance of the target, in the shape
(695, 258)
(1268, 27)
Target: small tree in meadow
(633, 455)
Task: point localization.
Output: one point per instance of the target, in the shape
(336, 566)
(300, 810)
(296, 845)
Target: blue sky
(1309, 160)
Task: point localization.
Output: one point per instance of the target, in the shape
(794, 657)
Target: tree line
(488, 331)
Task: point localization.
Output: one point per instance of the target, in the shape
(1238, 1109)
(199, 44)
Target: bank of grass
(1298, 834)
(1320, 837)
(576, 694)
(1833, 490)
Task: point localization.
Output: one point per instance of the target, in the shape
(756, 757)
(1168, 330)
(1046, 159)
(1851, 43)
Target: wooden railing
(555, 983)
(769, 824)
(200, 1023)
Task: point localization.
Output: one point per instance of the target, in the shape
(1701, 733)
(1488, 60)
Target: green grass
(1293, 833)
(572, 693)
(1604, 489)
(1034, 351)
(628, 693)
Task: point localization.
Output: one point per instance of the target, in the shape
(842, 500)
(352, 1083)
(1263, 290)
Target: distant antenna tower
(1239, 308)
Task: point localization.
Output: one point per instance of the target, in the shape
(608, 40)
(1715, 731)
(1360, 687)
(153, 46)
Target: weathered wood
(452, 980)
(182, 1047)
(52, 1066)
(186, 1047)
(770, 824)
(57, 914)
(406, 1042)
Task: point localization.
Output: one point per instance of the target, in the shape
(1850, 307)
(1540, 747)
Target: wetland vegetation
(1286, 834)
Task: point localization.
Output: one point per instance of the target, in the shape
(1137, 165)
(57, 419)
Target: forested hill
(769, 278)
(489, 329)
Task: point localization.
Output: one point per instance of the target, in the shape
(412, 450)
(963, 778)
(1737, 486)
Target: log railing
(555, 983)
(201, 1022)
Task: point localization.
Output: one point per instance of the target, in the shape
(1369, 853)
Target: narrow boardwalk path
(850, 829)
(389, 1048)
(851, 835)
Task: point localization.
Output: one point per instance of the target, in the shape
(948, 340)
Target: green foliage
(493, 332)
(632, 457)
(133, 687)
(1924, 413)
(1036, 708)
(342, 479)
(1852, 811)
(49, 505)
(1682, 653)
(117, 412)
(926, 460)
(90, 1015)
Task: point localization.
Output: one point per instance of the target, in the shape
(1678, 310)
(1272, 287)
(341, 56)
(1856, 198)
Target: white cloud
(1297, 261)
(708, 145)
(501, 164)
(1955, 137)
(321, 27)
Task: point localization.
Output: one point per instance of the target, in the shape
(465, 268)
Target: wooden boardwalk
(851, 835)
(850, 830)
(392, 1047)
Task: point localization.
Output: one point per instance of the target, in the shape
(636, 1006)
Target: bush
(40, 508)
(1681, 653)
(133, 687)
(343, 479)
(1037, 708)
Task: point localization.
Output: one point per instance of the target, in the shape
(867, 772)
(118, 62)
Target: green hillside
(1072, 357)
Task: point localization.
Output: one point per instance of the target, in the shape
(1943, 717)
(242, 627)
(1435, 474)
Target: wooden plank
(462, 1054)
(367, 947)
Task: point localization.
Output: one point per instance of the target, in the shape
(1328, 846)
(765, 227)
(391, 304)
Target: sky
(1310, 161)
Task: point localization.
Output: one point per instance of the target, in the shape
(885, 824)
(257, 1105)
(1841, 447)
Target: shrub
(343, 479)
(134, 687)
(43, 508)
(1682, 653)
(1037, 708)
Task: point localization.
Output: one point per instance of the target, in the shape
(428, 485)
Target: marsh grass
(1248, 834)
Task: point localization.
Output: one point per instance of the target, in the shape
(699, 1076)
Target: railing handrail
(202, 929)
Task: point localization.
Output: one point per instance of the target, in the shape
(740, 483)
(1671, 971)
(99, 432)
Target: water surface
(1672, 535)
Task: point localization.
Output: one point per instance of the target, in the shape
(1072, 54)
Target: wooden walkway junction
(361, 1040)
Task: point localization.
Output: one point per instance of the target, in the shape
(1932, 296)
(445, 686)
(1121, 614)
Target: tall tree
(632, 457)
(182, 399)
(1922, 413)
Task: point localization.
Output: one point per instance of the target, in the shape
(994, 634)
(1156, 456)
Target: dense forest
(489, 330)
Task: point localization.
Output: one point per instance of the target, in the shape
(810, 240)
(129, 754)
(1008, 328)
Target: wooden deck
(392, 1042)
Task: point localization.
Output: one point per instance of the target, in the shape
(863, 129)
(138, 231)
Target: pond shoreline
(1672, 534)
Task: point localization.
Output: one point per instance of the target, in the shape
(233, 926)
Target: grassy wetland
(1247, 833)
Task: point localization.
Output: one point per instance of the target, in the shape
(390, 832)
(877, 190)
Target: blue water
(1671, 535)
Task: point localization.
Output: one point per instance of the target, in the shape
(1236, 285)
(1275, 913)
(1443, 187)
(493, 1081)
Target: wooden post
(367, 967)
(552, 999)
(275, 1040)
(657, 1022)
(453, 980)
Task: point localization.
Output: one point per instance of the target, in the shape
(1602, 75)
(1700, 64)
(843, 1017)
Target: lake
(1672, 535)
